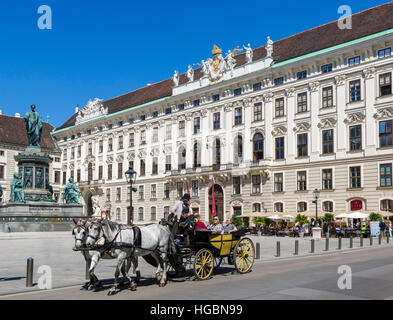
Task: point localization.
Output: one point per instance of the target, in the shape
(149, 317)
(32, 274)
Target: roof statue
(269, 47)
(249, 53)
(175, 78)
(190, 73)
(93, 109)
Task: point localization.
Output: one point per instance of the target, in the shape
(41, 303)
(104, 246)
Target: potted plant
(301, 220)
(259, 221)
(328, 218)
(375, 217)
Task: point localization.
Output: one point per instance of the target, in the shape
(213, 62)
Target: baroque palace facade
(269, 125)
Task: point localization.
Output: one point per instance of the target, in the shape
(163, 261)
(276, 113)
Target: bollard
(361, 241)
(339, 243)
(29, 273)
(87, 274)
(258, 249)
(351, 243)
(278, 251)
(296, 247)
(327, 244)
(312, 245)
(371, 240)
(380, 239)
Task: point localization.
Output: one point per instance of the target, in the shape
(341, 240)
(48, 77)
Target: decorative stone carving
(120, 158)
(257, 99)
(94, 109)
(269, 47)
(155, 152)
(327, 123)
(314, 86)
(290, 92)
(175, 78)
(142, 154)
(228, 107)
(369, 73)
(279, 131)
(190, 74)
(340, 79)
(353, 118)
(109, 159)
(131, 156)
(302, 127)
(249, 53)
(268, 97)
(204, 113)
(384, 113)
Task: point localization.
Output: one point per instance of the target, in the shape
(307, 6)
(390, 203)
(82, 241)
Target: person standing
(382, 227)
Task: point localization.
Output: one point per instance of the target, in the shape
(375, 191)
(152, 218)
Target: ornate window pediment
(302, 127)
(279, 131)
(94, 109)
(384, 113)
(327, 123)
(353, 118)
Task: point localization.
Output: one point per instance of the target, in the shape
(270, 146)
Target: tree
(302, 219)
(375, 217)
(259, 221)
(237, 221)
(329, 218)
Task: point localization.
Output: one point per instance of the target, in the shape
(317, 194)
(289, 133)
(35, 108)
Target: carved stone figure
(269, 47)
(175, 78)
(71, 193)
(96, 207)
(205, 68)
(230, 61)
(33, 127)
(17, 192)
(39, 179)
(190, 73)
(93, 109)
(249, 53)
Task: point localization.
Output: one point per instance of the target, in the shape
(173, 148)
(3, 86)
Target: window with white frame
(153, 191)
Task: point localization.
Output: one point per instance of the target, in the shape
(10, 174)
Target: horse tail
(171, 244)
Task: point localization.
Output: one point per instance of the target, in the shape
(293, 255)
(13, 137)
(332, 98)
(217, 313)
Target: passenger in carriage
(229, 227)
(216, 226)
(200, 226)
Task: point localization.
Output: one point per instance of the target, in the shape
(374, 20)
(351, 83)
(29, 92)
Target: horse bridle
(96, 238)
(78, 227)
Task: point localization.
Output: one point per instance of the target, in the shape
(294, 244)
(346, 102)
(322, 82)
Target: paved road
(310, 277)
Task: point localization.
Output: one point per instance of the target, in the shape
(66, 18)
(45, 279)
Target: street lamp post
(316, 229)
(131, 177)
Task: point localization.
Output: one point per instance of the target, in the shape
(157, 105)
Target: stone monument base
(39, 217)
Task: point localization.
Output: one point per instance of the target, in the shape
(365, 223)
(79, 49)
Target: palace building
(269, 125)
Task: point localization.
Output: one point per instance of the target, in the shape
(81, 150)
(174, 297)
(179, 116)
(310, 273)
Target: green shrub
(375, 217)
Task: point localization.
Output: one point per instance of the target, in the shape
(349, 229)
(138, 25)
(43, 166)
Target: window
(256, 184)
(327, 141)
(118, 194)
(280, 148)
(73, 152)
(216, 97)
(238, 148)
(237, 211)
(302, 206)
(194, 188)
(327, 68)
(142, 117)
(110, 126)
(1, 153)
(109, 171)
(153, 191)
(154, 169)
(257, 86)
(182, 128)
(256, 207)
(327, 179)
(120, 142)
(90, 151)
(168, 132)
(237, 92)
(327, 97)
(153, 215)
(327, 206)
(216, 120)
(64, 177)
(180, 107)
(258, 112)
(167, 190)
(140, 214)
(100, 172)
(355, 179)
(387, 205)
(302, 148)
(278, 182)
(142, 168)
(383, 53)
(278, 207)
(385, 172)
(108, 195)
(57, 174)
(279, 107)
(258, 147)
(100, 148)
(180, 189)
(197, 125)
(143, 137)
(385, 84)
(131, 120)
(118, 214)
(196, 156)
(65, 152)
(182, 158)
(236, 185)
(155, 135)
(354, 61)
(301, 75)
(354, 90)
(131, 140)
(238, 116)
(385, 133)
(355, 138)
(217, 152)
(120, 170)
(196, 103)
(166, 212)
(168, 110)
(154, 114)
(302, 102)
(141, 192)
(278, 81)
(110, 144)
(168, 163)
(131, 164)
(302, 181)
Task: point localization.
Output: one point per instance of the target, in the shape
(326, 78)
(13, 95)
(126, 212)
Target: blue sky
(107, 48)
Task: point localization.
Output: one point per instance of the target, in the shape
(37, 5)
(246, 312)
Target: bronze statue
(33, 127)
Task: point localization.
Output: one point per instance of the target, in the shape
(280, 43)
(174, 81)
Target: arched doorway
(219, 197)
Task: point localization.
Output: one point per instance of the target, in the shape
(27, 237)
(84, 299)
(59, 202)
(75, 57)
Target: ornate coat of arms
(216, 65)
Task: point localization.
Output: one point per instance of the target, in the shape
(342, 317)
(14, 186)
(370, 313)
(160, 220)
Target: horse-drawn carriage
(207, 250)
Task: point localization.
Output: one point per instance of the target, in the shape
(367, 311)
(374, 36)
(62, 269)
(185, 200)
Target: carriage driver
(181, 210)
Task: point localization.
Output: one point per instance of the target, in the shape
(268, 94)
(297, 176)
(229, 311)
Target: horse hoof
(91, 287)
(133, 288)
(111, 293)
(162, 284)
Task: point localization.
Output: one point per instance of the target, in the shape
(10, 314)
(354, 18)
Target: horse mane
(110, 229)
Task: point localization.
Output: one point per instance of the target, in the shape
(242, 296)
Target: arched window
(217, 153)
(258, 146)
(256, 207)
(182, 158)
(238, 149)
(197, 155)
(302, 206)
(327, 206)
(278, 207)
(387, 205)
(140, 214)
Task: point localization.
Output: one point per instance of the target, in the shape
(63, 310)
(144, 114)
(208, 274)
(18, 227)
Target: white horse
(155, 240)
(92, 257)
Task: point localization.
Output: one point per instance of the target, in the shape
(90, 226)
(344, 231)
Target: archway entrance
(89, 205)
(219, 197)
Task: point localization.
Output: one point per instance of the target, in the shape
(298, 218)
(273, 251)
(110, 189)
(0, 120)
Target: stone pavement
(68, 267)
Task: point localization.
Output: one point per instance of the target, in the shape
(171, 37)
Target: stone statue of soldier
(1, 194)
(17, 191)
(33, 127)
(71, 193)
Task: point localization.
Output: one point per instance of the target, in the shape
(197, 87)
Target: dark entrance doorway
(219, 197)
(90, 206)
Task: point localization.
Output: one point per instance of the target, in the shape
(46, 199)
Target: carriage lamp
(316, 194)
(131, 178)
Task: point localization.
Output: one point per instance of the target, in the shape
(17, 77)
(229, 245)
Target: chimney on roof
(17, 115)
(76, 109)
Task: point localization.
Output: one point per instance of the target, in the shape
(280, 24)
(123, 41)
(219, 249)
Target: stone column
(370, 130)
(315, 132)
